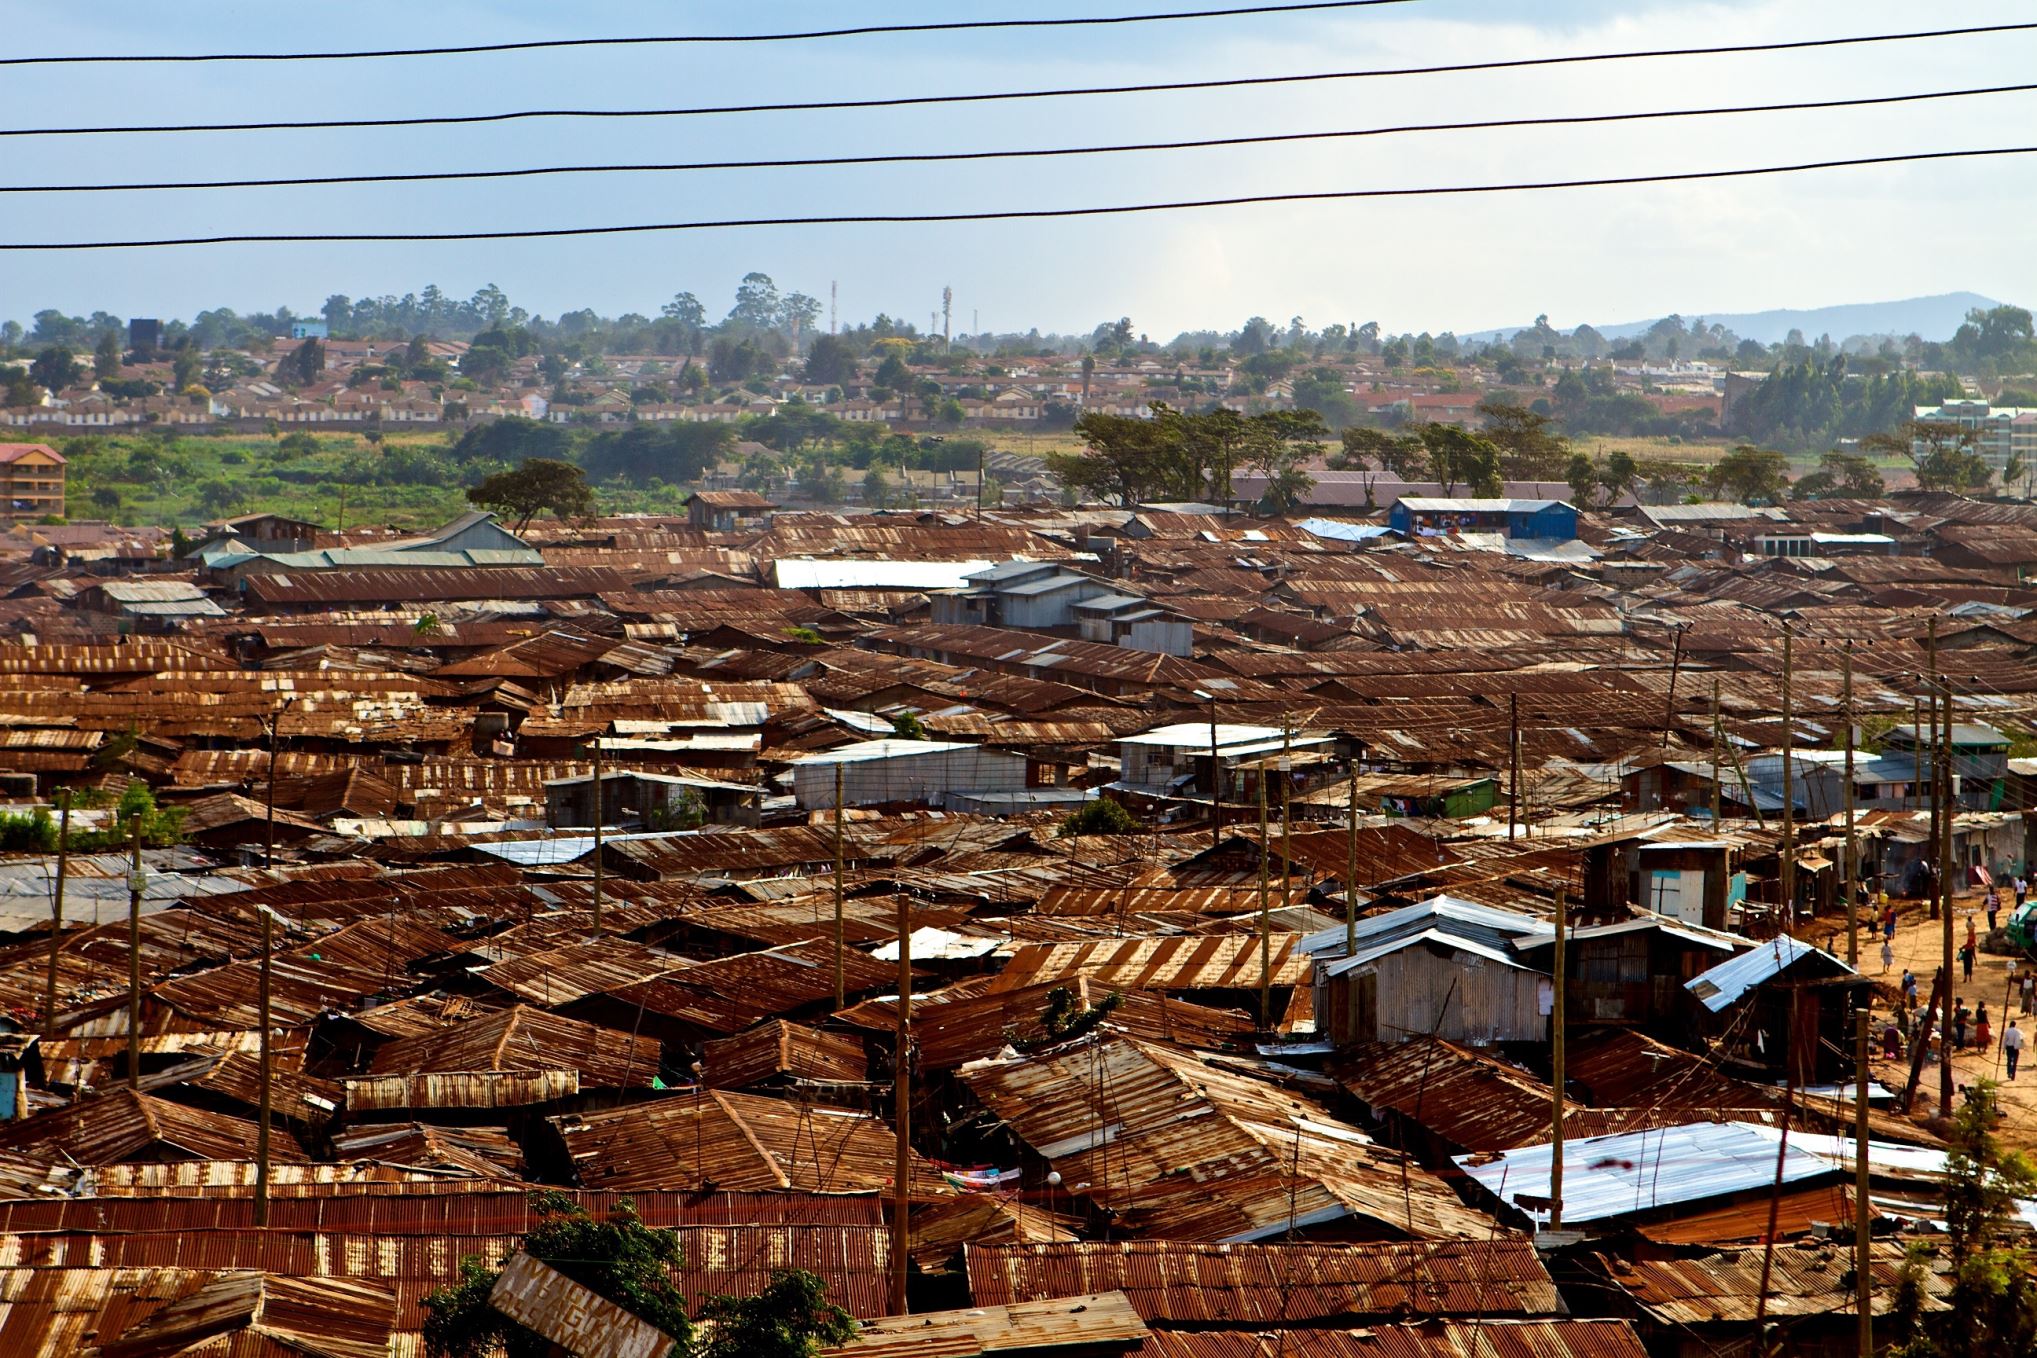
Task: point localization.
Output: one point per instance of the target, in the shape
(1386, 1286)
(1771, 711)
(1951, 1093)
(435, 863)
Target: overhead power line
(672, 40)
(1014, 214)
(926, 157)
(925, 100)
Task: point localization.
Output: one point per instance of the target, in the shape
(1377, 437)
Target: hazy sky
(1600, 255)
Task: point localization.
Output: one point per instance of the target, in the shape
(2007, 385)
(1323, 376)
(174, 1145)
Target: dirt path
(1919, 944)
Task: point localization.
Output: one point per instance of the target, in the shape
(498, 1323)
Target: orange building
(31, 481)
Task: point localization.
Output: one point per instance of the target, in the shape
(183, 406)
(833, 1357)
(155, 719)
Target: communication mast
(947, 307)
(834, 295)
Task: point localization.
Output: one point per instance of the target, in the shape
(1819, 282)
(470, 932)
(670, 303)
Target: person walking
(1910, 989)
(1959, 1015)
(1993, 901)
(1888, 924)
(1888, 956)
(1972, 935)
(1966, 961)
(2029, 987)
(2012, 1046)
(2022, 891)
(1981, 1031)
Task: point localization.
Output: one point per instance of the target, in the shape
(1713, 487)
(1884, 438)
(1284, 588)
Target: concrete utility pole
(1286, 813)
(49, 996)
(1930, 741)
(1848, 873)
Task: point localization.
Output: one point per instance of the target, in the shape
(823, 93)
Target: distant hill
(1934, 318)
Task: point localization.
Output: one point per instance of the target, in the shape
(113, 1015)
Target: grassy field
(187, 481)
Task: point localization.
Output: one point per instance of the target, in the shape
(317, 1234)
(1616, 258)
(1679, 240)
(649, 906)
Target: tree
(1749, 474)
(1583, 479)
(790, 1318)
(622, 1259)
(303, 364)
(1100, 817)
(831, 361)
(511, 439)
(1456, 455)
(540, 483)
(1529, 450)
(1125, 461)
(756, 302)
(55, 368)
(106, 355)
(1992, 1305)
(1942, 454)
(1400, 455)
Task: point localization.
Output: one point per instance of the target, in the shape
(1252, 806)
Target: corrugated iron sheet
(1184, 1283)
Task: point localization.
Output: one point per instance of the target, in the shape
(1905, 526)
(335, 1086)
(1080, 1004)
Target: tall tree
(1750, 475)
(1942, 454)
(538, 484)
(1529, 448)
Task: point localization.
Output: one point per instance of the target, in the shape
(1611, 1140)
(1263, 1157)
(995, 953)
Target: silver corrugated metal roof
(1724, 984)
(1632, 1172)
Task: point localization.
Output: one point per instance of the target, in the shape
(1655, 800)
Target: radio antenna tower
(834, 295)
(947, 307)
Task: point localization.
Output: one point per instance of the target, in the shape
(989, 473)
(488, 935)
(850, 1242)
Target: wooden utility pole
(600, 799)
(1847, 871)
(1556, 1022)
(1351, 872)
(1789, 1096)
(1937, 802)
(1915, 792)
(1934, 1011)
(841, 995)
(1675, 668)
(1216, 782)
(1943, 759)
(1286, 814)
(901, 1080)
(1265, 915)
(1863, 1212)
(49, 994)
(1718, 739)
(1513, 763)
(135, 881)
(1789, 801)
(262, 1125)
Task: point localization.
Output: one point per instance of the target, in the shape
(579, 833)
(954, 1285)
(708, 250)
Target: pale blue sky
(1587, 255)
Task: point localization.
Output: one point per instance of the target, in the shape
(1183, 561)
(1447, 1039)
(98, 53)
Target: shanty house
(1631, 971)
(1169, 760)
(1026, 594)
(654, 800)
(1541, 520)
(890, 772)
(726, 511)
(1783, 1004)
(1440, 968)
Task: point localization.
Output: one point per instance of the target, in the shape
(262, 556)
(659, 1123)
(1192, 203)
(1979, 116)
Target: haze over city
(1309, 679)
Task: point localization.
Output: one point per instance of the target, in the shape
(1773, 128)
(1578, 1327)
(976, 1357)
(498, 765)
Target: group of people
(1910, 1024)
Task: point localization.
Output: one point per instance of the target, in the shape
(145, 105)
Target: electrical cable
(929, 157)
(1012, 214)
(927, 100)
(804, 35)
